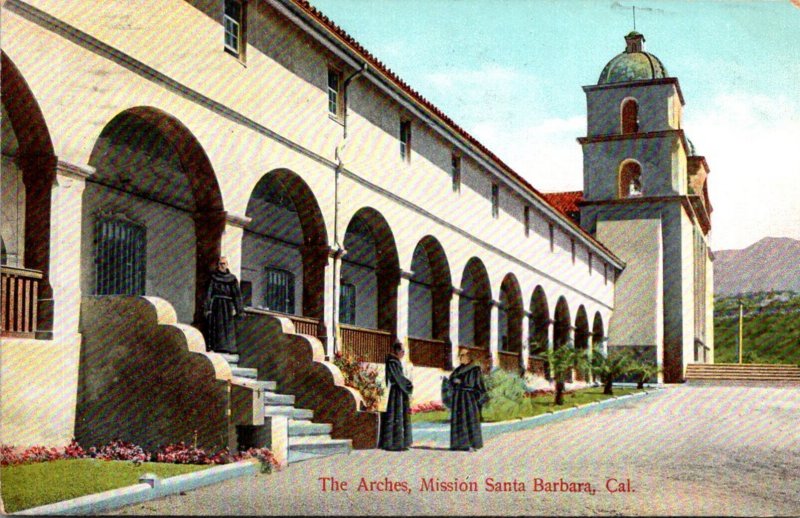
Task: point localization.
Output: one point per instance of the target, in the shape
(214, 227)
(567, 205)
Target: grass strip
(31, 485)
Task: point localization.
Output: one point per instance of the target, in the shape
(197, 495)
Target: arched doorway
(538, 328)
(429, 293)
(474, 310)
(285, 250)
(561, 326)
(582, 338)
(152, 213)
(27, 174)
(368, 291)
(509, 324)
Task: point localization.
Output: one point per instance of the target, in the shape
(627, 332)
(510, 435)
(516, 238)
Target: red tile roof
(565, 202)
(374, 62)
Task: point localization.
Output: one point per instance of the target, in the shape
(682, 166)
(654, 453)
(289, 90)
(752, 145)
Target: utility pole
(741, 336)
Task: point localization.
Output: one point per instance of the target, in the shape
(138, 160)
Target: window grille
(120, 260)
(279, 292)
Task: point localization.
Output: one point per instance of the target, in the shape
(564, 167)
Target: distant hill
(772, 264)
(771, 328)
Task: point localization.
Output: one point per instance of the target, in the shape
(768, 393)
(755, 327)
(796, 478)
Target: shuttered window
(120, 260)
(279, 294)
(347, 304)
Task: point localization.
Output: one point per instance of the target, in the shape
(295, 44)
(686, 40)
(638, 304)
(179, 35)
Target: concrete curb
(439, 433)
(116, 498)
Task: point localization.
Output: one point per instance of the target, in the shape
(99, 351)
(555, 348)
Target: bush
(506, 394)
(432, 406)
(362, 377)
(119, 450)
(265, 456)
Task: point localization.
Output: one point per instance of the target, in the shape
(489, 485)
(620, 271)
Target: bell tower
(645, 200)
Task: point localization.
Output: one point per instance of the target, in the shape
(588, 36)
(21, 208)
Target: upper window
(455, 171)
(347, 304)
(552, 232)
(233, 22)
(527, 221)
(495, 200)
(119, 257)
(335, 93)
(279, 292)
(630, 116)
(405, 140)
(630, 180)
(572, 248)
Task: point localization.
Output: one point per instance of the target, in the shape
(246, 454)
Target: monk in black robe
(223, 303)
(467, 394)
(395, 429)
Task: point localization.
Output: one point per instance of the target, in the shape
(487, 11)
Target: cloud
(750, 142)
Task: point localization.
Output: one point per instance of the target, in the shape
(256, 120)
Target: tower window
(233, 23)
(455, 172)
(335, 93)
(495, 200)
(405, 140)
(630, 116)
(630, 180)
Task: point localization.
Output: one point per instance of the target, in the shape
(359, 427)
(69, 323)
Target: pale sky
(510, 72)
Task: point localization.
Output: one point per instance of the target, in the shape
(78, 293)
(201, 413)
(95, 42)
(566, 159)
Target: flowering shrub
(362, 377)
(119, 450)
(432, 406)
(265, 456)
(179, 453)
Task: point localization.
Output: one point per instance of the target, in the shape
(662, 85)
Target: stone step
(263, 385)
(230, 358)
(308, 447)
(271, 398)
(289, 411)
(741, 369)
(304, 427)
(244, 372)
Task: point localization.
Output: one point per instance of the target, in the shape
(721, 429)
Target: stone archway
(285, 247)
(474, 310)
(28, 173)
(509, 323)
(582, 337)
(561, 325)
(154, 188)
(598, 331)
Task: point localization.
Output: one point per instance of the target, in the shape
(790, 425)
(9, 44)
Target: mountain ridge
(770, 264)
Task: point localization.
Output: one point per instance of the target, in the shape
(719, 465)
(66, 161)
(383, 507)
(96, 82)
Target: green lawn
(32, 485)
(528, 408)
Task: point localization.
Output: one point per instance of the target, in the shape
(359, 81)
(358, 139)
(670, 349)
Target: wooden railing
(538, 366)
(427, 352)
(480, 355)
(509, 361)
(302, 325)
(369, 345)
(19, 294)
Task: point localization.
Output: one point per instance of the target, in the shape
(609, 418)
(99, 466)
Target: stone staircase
(307, 439)
(743, 374)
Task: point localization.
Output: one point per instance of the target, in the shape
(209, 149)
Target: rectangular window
(552, 237)
(405, 140)
(572, 247)
(605, 273)
(335, 93)
(279, 291)
(347, 304)
(455, 172)
(590, 263)
(527, 221)
(120, 257)
(233, 23)
(495, 200)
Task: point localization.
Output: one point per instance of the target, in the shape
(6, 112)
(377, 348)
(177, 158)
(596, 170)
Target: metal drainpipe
(337, 247)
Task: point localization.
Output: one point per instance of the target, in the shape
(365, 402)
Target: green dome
(634, 64)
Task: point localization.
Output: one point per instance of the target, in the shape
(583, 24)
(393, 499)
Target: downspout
(337, 248)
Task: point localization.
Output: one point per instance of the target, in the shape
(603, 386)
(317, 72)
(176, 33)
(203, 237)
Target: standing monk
(467, 395)
(395, 432)
(223, 303)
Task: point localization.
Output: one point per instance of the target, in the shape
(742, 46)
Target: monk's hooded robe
(395, 428)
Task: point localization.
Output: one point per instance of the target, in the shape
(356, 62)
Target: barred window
(120, 257)
(279, 292)
(347, 304)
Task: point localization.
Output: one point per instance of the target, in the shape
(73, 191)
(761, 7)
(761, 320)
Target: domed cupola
(632, 65)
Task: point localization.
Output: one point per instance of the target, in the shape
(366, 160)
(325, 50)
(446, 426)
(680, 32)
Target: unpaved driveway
(688, 451)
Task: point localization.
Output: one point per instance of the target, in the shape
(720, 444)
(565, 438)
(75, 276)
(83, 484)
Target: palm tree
(562, 361)
(643, 371)
(610, 367)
